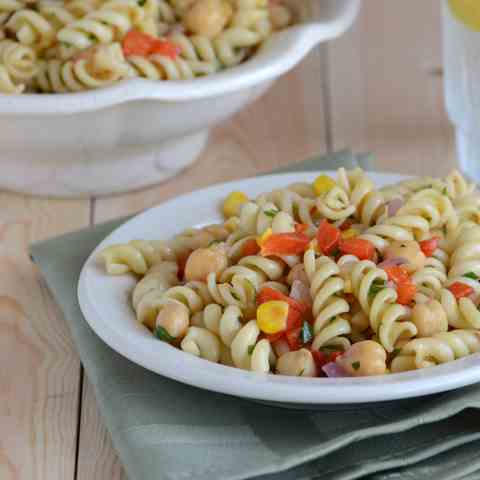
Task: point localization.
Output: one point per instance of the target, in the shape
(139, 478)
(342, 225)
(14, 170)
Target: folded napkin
(164, 430)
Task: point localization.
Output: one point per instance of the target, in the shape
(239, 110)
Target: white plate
(105, 304)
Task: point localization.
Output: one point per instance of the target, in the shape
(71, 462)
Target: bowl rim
(264, 66)
(175, 364)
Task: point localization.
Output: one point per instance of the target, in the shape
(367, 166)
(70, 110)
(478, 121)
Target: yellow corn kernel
(264, 237)
(350, 233)
(232, 204)
(272, 316)
(323, 184)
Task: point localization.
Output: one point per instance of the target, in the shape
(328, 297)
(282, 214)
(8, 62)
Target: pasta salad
(330, 278)
(74, 45)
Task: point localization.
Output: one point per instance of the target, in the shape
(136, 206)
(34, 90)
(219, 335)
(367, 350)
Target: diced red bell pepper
(285, 244)
(141, 44)
(460, 290)
(293, 338)
(301, 228)
(361, 248)
(397, 274)
(250, 247)
(328, 237)
(429, 246)
(406, 289)
(406, 293)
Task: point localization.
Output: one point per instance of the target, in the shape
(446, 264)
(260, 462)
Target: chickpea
(410, 250)
(297, 364)
(208, 17)
(363, 359)
(174, 317)
(429, 318)
(204, 261)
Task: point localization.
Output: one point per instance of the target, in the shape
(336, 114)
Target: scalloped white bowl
(105, 304)
(139, 132)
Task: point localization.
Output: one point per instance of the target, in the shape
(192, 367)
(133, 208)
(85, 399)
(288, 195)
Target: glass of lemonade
(461, 55)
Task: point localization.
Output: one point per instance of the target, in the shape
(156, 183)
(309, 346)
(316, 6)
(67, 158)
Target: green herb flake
(306, 334)
(471, 275)
(376, 287)
(251, 348)
(92, 37)
(395, 352)
(302, 371)
(162, 334)
(356, 365)
(335, 252)
(142, 3)
(445, 191)
(235, 296)
(213, 242)
(333, 319)
(270, 213)
(328, 349)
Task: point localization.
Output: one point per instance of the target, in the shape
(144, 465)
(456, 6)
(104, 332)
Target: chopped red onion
(391, 262)
(393, 206)
(333, 370)
(300, 292)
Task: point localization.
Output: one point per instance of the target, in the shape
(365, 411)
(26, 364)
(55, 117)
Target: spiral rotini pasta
(31, 28)
(155, 36)
(105, 66)
(441, 348)
(333, 271)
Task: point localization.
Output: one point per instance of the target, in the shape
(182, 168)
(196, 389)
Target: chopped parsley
(377, 286)
(142, 3)
(162, 334)
(270, 213)
(235, 296)
(333, 319)
(328, 349)
(356, 365)
(395, 352)
(471, 275)
(251, 348)
(335, 252)
(445, 191)
(92, 37)
(306, 334)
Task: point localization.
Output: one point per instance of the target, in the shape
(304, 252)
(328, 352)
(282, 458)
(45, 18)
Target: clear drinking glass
(461, 54)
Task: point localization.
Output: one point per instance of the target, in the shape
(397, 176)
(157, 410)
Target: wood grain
(378, 88)
(285, 126)
(385, 88)
(39, 369)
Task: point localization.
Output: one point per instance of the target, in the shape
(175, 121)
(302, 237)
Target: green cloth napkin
(164, 430)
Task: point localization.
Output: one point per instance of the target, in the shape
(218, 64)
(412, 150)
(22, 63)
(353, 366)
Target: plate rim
(267, 387)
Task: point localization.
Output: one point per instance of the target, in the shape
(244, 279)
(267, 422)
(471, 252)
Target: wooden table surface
(378, 88)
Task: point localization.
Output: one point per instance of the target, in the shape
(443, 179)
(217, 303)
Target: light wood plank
(39, 369)
(96, 457)
(385, 88)
(285, 126)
